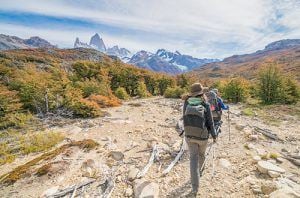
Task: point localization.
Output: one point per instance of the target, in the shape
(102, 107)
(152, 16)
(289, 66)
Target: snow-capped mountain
(79, 44)
(161, 61)
(169, 62)
(96, 42)
(148, 60)
(12, 42)
(123, 53)
(183, 62)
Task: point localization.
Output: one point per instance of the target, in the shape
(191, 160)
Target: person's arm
(210, 122)
(223, 106)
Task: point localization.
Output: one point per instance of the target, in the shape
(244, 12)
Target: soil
(135, 127)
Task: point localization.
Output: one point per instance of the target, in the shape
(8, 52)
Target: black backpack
(194, 119)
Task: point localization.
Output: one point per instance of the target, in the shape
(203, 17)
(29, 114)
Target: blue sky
(213, 29)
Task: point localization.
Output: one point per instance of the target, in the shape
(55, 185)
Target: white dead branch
(71, 189)
(154, 155)
(177, 158)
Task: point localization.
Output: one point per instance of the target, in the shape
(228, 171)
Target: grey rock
(133, 171)
(145, 189)
(268, 187)
(117, 155)
(264, 167)
(273, 174)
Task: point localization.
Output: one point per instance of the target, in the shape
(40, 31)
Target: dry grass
(15, 143)
(18, 172)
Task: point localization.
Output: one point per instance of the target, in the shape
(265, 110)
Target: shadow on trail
(184, 190)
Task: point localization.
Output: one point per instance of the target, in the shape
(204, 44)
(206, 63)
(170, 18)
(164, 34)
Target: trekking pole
(229, 123)
(213, 162)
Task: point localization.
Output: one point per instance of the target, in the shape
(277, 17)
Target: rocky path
(126, 139)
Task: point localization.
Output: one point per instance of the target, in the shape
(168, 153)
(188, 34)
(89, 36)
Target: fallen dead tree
(177, 158)
(18, 172)
(71, 189)
(294, 159)
(154, 155)
(268, 133)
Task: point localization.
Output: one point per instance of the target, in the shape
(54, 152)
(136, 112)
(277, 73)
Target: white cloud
(194, 26)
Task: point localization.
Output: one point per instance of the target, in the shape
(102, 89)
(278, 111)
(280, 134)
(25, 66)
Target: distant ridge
(13, 42)
(285, 53)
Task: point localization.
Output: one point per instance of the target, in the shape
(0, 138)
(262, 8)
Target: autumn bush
(121, 93)
(38, 81)
(175, 92)
(142, 91)
(274, 87)
(105, 101)
(235, 89)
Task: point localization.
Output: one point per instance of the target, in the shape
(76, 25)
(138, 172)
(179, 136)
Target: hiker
(198, 124)
(216, 107)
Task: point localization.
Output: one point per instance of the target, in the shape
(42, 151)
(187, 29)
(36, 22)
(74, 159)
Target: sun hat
(196, 90)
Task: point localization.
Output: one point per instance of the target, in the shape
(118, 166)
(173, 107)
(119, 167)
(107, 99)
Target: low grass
(248, 112)
(19, 172)
(15, 143)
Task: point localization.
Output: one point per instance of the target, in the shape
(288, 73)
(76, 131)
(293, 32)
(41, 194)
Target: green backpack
(194, 119)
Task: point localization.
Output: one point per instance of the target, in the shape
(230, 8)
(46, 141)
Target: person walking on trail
(216, 106)
(198, 125)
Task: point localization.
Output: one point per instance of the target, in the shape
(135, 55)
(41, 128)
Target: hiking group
(202, 111)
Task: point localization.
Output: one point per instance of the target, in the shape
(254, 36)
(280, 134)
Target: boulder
(133, 171)
(256, 158)
(250, 146)
(264, 167)
(261, 152)
(143, 189)
(224, 163)
(273, 174)
(116, 155)
(284, 192)
(253, 137)
(268, 187)
(88, 168)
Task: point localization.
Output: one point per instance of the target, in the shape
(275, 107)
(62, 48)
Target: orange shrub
(105, 101)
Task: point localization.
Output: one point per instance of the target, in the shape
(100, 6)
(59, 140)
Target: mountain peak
(14, 42)
(97, 42)
(281, 44)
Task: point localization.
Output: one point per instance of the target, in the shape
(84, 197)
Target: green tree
(121, 93)
(236, 90)
(271, 84)
(142, 90)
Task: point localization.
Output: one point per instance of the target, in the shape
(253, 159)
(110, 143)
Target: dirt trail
(134, 127)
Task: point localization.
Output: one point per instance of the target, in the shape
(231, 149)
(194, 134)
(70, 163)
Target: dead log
(178, 156)
(268, 133)
(110, 185)
(294, 161)
(71, 189)
(154, 155)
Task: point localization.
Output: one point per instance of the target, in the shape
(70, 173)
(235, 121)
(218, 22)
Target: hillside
(12, 42)
(285, 53)
(78, 82)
